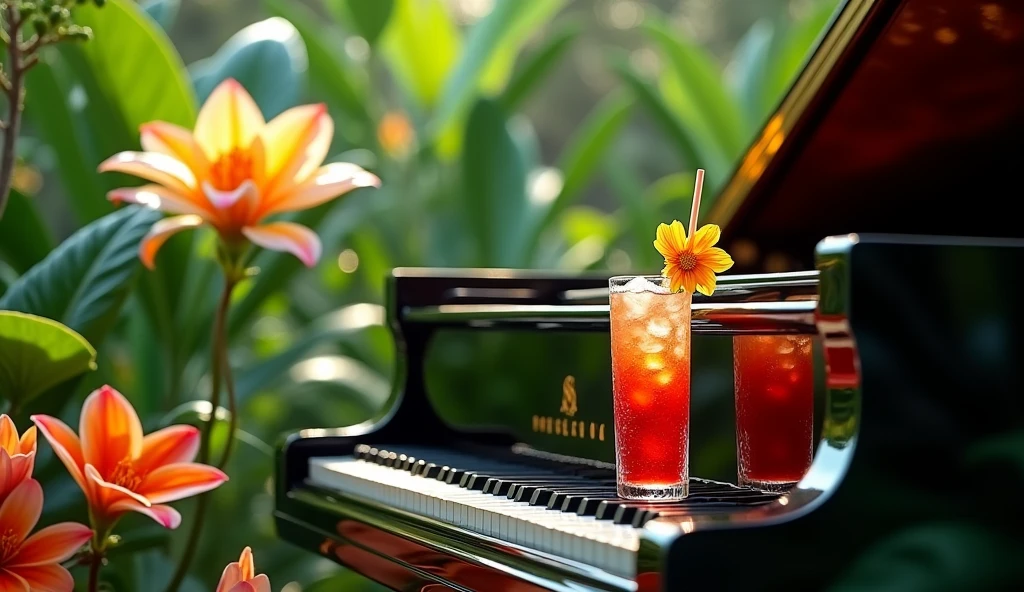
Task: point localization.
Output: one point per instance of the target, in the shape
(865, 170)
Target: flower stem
(218, 363)
(229, 385)
(98, 549)
(14, 89)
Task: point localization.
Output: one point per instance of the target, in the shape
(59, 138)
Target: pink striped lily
(235, 170)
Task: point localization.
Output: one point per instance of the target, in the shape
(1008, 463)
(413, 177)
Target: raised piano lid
(907, 119)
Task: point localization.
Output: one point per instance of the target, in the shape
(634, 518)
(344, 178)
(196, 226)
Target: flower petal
(716, 259)
(8, 435)
(287, 236)
(297, 142)
(12, 582)
(174, 444)
(231, 576)
(705, 280)
(106, 494)
(7, 480)
(243, 587)
(65, 444)
(46, 578)
(229, 119)
(223, 200)
(160, 232)
(166, 516)
(28, 441)
(260, 583)
(110, 430)
(53, 544)
(21, 510)
(21, 466)
(177, 481)
(160, 198)
(153, 166)
(705, 238)
(176, 141)
(329, 181)
(247, 564)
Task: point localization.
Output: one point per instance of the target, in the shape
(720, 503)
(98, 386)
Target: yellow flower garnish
(691, 263)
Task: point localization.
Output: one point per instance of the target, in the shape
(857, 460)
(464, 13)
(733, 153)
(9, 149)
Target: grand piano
(872, 212)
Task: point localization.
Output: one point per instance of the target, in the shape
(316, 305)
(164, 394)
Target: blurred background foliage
(549, 134)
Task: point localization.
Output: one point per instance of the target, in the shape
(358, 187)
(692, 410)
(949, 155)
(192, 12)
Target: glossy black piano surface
(917, 478)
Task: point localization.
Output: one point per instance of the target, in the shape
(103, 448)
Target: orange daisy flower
(691, 263)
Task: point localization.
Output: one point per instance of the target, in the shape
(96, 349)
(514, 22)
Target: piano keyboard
(570, 511)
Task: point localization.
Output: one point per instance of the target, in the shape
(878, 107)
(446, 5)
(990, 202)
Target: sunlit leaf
(268, 58)
(421, 43)
(795, 48)
(491, 49)
(692, 87)
(368, 18)
(36, 354)
(24, 238)
(747, 70)
(538, 65)
(494, 184)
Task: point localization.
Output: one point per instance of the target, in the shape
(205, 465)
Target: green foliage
(164, 12)
(37, 354)
(367, 18)
(24, 238)
(268, 58)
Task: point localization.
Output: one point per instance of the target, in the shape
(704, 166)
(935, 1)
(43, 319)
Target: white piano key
(585, 539)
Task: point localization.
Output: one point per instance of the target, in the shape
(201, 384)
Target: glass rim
(659, 284)
(646, 276)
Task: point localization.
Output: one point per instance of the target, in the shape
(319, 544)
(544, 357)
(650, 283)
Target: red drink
(774, 409)
(650, 346)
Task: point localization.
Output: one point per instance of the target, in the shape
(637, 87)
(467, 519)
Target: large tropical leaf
(494, 187)
(489, 57)
(164, 12)
(421, 43)
(85, 280)
(38, 353)
(795, 48)
(747, 72)
(537, 66)
(24, 237)
(268, 58)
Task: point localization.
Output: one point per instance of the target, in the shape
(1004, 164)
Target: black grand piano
(848, 221)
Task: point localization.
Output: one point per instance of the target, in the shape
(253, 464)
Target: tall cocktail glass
(650, 347)
(774, 384)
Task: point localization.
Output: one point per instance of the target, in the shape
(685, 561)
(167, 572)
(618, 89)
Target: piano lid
(907, 118)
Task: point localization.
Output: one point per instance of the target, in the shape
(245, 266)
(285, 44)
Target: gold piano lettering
(549, 421)
(561, 426)
(558, 427)
(601, 434)
(574, 429)
(592, 430)
(569, 396)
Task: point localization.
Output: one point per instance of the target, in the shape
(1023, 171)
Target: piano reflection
(490, 467)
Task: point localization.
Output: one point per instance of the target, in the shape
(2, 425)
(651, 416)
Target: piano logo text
(563, 426)
(569, 396)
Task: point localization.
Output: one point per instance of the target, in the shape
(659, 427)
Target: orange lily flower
(240, 576)
(691, 263)
(29, 563)
(234, 170)
(119, 469)
(17, 455)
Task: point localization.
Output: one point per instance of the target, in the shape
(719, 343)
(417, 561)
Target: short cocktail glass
(774, 383)
(650, 347)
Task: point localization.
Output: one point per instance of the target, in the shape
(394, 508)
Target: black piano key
(391, 459)
(443, 473)
(606, 509)
(455, 476)
(361, 451)
(418, 467)
(589, 505)
(569, 501)
(430, 471)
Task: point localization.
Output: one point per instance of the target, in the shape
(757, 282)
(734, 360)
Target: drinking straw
(695, 209)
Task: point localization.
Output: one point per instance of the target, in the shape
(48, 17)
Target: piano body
(849, 215)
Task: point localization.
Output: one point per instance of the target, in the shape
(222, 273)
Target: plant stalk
(229, 385)
(218, 362)
(98, 549)
(14, 88)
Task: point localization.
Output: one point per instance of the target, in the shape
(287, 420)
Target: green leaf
(136, 66)
(680, 136)
(331, 78)
(526, 79)
(268, 58)
(85, 280)
(750, 63)
(24, 238)
(368, 18)
(795, 48)
(36, 354)
(421, 43)
(640, 215)
(489, 57)
(494, 187)
(164, 12)
(694, 89)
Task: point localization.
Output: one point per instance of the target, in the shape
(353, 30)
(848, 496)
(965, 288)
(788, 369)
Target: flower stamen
(231, 169)
(8, 544)
(687, 261)
(125, 476)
